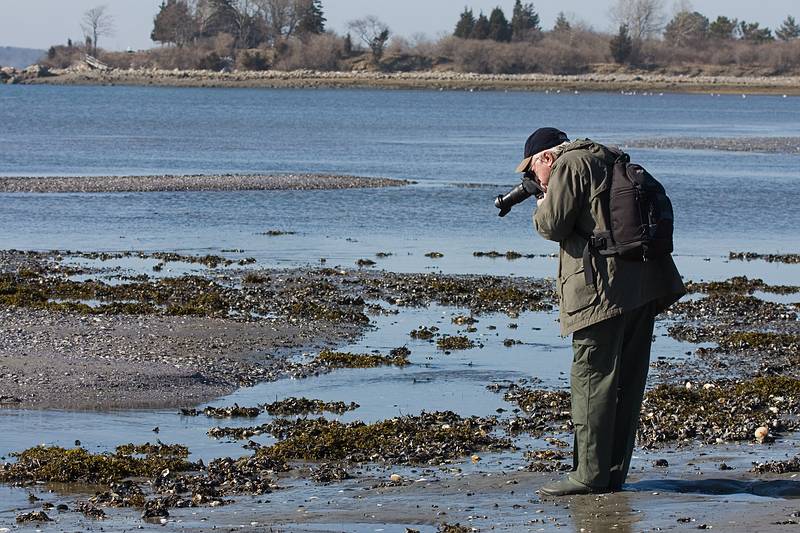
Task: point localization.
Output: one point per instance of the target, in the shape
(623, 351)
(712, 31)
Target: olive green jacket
(571, 208)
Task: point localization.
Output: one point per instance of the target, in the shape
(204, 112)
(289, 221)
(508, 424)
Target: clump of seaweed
(120, 494)
(429, 438)
(454, 342)
(722, 411)
(234, 411)
(510, 255)
(424, 333)
(365, 262)
(547, 461)
(546, 408)
(53, 463)
(303, 406)
(739, 284)
(434, 255)
(351, 360)
(329, 473)
(277, 233)
(33, 516)
(770, 258)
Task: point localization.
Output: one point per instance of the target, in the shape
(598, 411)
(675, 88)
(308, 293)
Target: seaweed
(454, 342)
(351, 360)
(53, 463)
(429, 438)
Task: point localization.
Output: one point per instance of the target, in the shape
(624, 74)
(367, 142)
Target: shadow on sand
(777, 488)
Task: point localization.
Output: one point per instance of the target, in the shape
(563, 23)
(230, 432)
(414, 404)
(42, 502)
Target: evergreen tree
(311, 18)
(466, 23)
(621, 45)
(789, 30)
(348, 45)
(722, 28)
(524, 22)
(481, 28)
(174, 23)
(562, 25)
(499, 29)
(750, 31)
(686, 29)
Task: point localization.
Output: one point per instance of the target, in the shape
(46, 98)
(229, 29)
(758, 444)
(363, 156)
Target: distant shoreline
(616, 82)
(174, 183)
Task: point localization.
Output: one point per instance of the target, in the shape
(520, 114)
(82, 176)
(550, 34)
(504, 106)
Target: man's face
(541, 165)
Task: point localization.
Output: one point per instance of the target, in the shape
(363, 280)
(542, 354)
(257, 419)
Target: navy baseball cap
(541, 139)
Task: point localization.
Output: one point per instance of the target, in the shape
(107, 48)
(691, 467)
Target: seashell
(396, 477)
(689, 385)
(761, 433)
(708, 386)
(476, 458)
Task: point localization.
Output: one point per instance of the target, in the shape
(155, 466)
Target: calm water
(443, 140)
(723, 201)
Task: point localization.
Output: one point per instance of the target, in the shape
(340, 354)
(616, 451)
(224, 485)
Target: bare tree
(281, 16)
(373, 33)
(97, 22)
(644, 18)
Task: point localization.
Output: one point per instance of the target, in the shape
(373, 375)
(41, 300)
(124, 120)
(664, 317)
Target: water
(442, 140)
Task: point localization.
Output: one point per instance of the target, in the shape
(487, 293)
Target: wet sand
(167, 183)
(626, 82)
(59, 361)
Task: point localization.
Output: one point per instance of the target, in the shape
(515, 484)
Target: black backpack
(639, 215)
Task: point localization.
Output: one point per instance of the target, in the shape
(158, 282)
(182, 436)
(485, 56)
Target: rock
(35, 71)
(761, 434)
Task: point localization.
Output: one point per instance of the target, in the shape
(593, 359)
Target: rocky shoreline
(173, 183)
(443, 80)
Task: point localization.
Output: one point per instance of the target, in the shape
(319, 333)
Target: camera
(529, 187)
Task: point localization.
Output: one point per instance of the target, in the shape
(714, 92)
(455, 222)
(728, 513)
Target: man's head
(539, 158)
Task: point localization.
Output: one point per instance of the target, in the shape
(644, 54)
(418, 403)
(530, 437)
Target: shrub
(317, 52)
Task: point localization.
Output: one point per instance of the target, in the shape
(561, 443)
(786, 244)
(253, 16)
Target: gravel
(168, 183)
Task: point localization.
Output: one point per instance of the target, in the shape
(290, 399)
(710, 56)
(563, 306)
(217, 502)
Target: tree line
(292, 34)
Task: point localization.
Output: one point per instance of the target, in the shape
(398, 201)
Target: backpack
(639, 215)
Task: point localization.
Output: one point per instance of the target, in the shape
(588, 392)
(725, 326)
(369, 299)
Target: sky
(41, 23)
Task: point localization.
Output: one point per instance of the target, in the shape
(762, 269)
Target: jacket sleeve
(555, 218)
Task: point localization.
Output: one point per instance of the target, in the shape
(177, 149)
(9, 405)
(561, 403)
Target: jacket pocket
(576, 295)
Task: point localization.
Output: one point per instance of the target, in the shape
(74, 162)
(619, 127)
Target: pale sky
(41, 23)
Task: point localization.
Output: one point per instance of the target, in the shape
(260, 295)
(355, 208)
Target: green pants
(609, 372)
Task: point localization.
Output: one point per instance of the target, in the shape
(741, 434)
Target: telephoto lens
(513, 197)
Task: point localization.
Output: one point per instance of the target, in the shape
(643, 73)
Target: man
(609, 313)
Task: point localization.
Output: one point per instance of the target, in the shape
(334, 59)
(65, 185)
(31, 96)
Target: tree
(750, 31)
(348, 45)
(311, 19)
(621, 45)
(281, 16)
(499, 29)
(222, 17)
(686, 29)
(174, 23)
(723, 28)
(465, 25)
(481, 28)
(97, 22)
(562, 25)
(373, 33)
(789, 30)
(644, 18)
(524, 22)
